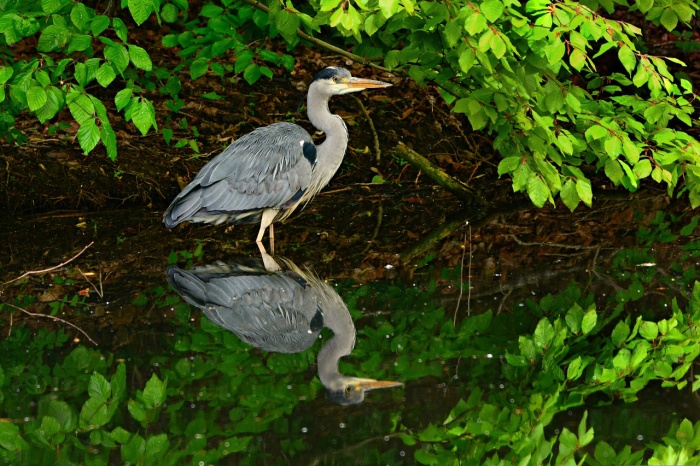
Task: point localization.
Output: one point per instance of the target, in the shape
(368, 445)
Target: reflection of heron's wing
(272, 312)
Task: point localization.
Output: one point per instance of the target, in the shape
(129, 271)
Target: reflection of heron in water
(280, 309)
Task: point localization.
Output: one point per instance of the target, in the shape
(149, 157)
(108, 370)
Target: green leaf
(88, 137)
(10, 438)
(118, 56)
(79, 43)
(169, 13)
(644, 5)
(54, 102)
(109, 139)
(51, 6)
(626, 56)
(137, 411)
(577, 59)
(613, 146)
(642, 169)
(620, 333)
(590, 318)
(81, 107)
(211, 11)
(36, 98)
(81, 16)
(105, 74)
(133, 451)
(143, 116)
(156, 447)
(689, 229)
(389, 7)
(544, 334)
(595, 132)
(569, 195)
(669, 20)
(538, 190)
(498, 46)
(120, 29)
(198, 68)
(99, 388)
(53, 38)
(140, 10)
(605, 454)
(140, 58)
(252, 74)
(583, 188)
(6, 73)
(154, 393)
(649, 330)
(49, 426)
(475, 23)
(492, 9)
(123, 98)
(99, 24)
(287, 24)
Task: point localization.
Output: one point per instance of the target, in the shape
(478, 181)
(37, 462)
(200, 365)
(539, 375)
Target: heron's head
(337, 81)
(351, 390)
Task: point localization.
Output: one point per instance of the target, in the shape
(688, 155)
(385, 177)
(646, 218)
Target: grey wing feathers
(271, 312)
(263, 169)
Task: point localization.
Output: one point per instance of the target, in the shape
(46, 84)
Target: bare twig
(39, 272)
(100, 291)
(461, 278)
(375, 138)
(553, 245)
(378, 225)
(58, 319)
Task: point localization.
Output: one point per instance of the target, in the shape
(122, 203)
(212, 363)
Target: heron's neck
(338, 319)
(330, 153)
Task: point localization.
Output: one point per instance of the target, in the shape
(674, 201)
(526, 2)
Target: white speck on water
(388, 266)
(640, 437)
(304, 430)
(402, 453)
(489, 356)
(342, 425)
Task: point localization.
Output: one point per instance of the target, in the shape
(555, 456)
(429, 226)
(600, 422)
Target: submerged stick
(39, 272)
(460, 190)
(48, 316)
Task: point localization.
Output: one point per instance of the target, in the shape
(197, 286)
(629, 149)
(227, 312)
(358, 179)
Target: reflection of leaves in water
(516, 373)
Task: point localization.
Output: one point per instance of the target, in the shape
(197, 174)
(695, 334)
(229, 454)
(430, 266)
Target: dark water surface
(469, 390)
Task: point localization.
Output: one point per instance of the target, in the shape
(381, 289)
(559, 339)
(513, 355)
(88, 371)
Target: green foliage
(204, 396)
(528, 73)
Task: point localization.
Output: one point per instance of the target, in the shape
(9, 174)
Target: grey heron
(278, 308)
(266, 174)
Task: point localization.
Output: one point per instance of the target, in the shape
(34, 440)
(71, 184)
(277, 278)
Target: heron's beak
(371, 384)
(359, 84)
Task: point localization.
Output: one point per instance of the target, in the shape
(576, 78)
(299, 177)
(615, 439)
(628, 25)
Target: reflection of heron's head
(351, 390)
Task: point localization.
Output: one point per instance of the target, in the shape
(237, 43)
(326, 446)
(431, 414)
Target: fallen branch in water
(460, 190)
(58, 319)
(39, 272)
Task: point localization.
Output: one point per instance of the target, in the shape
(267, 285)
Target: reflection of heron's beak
(358, 84)
(371, 384)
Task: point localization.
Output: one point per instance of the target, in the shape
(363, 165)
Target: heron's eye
(348, 389)
(335, 79)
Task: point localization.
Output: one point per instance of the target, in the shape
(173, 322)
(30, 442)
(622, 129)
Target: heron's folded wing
(265, 168)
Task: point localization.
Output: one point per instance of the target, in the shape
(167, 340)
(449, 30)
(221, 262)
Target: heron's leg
(272, 238)
(270, 264)
(266, 221)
